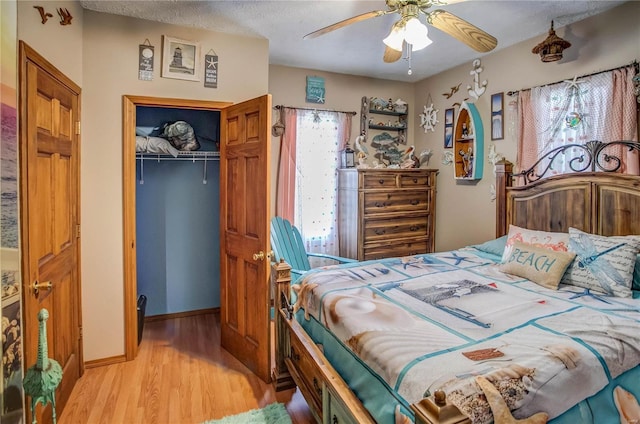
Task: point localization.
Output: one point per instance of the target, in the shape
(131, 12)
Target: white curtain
(320, 138)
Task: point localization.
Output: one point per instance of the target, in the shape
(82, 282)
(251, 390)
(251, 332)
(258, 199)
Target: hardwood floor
(181, 376)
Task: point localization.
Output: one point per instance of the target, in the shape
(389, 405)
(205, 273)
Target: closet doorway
(244, 224)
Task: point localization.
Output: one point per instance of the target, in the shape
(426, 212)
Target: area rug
(274, 413)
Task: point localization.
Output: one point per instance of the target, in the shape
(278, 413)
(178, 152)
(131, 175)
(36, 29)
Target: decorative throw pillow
(540, 265)
(603, 264)
(545, 239)
(494, 247)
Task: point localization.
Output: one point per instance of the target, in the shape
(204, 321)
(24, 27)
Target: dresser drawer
(386, 179)
(379, 180)
(335, 412)
(415, 180)
(381, 250)
(309, 379)
(385, 229)
(395, 201)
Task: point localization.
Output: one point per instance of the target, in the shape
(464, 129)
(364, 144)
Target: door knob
(261, 255)
(37, 286)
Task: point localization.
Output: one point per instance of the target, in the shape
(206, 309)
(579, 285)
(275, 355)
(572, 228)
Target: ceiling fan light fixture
(416, 34)
(396, 37)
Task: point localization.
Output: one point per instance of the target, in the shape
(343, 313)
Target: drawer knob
(380, 232)
(414, 202)
(381, 181)
(414, 228)
(415, 181)
(381, 204)
(294, 355)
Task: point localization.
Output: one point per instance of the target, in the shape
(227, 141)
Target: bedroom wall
(61, 45)
(103, 59)
(110, 71)
(465, 213)
(343, 93)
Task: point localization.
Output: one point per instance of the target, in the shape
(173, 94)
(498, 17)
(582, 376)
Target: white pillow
(155, 145)
(603, 264)
(544, 239)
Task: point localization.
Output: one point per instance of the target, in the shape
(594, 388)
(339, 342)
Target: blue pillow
(495, 247)
(636, 275)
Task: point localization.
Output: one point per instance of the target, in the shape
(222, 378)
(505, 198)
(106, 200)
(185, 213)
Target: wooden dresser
(386, 212)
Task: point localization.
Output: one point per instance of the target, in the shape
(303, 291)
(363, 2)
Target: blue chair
(287, 244)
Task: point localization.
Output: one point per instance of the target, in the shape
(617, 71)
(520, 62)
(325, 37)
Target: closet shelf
(191, 155)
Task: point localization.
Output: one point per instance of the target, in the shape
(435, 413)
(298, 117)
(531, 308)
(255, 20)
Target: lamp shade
(396, 37)
(416, 34)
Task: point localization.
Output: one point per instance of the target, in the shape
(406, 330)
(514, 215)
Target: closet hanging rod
(189, 156)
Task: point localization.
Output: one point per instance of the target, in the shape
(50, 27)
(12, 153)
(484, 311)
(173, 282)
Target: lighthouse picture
(180, 59)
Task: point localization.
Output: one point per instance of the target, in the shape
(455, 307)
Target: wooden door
(50, 219)
(244, 232)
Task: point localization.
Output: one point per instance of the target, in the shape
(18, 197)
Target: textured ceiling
(357, 49)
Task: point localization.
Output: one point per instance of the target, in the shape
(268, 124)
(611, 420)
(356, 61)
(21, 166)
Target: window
(598, 107)
(316, 180)
(307, 174)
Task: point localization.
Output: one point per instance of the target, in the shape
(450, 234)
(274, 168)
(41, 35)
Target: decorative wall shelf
(373, 119)
(468, 144)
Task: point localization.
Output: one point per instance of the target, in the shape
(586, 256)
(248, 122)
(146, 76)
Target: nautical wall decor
(429, 118)
(180, 59)
(211, 69)
(315, 90)
(468, 144)
(145, 61)
(478, 88)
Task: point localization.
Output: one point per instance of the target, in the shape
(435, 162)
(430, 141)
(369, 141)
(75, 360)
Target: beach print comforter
(436, 321)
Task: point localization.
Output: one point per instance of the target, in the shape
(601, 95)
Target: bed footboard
(300, 362)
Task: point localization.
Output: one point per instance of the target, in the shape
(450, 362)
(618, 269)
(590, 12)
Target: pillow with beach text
(544, 239)
(603, 264)
(542, 266)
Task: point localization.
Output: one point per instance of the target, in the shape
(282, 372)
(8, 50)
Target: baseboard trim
(105, 361)
(163, 317)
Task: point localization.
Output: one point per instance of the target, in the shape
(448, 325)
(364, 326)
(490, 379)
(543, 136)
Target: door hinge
(77, 127)
(77, 230)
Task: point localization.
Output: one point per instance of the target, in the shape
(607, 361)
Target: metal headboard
(593, 157)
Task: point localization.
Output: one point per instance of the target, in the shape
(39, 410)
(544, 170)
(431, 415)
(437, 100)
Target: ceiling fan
(409, 30)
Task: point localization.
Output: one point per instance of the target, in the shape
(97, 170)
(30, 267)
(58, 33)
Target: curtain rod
(634, 64)
(319, 110)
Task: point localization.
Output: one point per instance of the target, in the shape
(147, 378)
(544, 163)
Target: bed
(536, 312)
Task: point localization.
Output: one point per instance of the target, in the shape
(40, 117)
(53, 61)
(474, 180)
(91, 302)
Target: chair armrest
(335, 258)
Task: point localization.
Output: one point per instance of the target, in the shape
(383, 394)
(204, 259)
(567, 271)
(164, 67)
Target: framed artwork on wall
(497, 116)
(180, 59)
(449, 115)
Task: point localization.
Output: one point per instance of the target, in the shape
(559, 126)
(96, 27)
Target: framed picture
(497, 116)
(449, 115)
(180, 59)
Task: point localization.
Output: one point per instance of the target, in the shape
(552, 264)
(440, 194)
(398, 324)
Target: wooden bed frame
(595, 199)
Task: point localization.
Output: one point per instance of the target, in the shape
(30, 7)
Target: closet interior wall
(177, 217)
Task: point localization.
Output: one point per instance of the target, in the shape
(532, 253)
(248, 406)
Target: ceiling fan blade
(391, 55)
(352, 20)
(462, 30)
